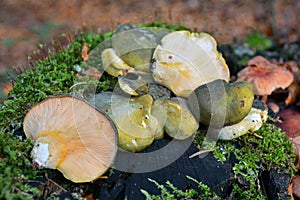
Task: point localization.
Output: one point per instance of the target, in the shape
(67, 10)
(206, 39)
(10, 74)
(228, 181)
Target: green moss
(161, 24)
(258, 41)
(253, 154)
(15, 167)
(171, 192)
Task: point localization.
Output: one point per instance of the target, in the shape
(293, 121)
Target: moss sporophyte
(60, 71)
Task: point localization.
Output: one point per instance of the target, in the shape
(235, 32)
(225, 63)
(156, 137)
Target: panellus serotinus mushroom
(136, 125)
(187, 60)
(72, 136)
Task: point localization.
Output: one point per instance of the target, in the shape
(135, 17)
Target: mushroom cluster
(167, 83)
(183, 63)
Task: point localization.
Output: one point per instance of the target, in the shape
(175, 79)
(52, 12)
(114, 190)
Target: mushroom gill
(72, 136)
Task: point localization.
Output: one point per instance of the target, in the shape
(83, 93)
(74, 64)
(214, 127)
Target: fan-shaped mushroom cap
(175, 117)
(187, 60)
(71, 136)
(265, 76)
(136, 125)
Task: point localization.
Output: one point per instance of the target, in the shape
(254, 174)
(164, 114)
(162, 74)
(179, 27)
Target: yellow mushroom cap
(186, 60)
(72, 136)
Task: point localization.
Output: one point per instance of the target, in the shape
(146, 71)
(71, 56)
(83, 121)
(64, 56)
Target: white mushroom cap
(187, 60)
(72, 136)
(252, 122)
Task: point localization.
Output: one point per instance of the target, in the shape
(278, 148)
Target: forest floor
(25, 24)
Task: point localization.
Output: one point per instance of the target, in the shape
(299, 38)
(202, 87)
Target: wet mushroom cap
(136, 125)
(265, 76)
(186, 60)
(72, 136)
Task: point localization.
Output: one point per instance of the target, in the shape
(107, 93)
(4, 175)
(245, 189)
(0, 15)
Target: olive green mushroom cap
(175, 117)
(132, 116)
(219, 103)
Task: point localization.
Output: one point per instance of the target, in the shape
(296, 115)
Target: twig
(76, 84)
(200, 152)
(258, 136)
(53, 182)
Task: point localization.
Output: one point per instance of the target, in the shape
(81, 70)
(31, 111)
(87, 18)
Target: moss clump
(254, 155)
(258, 41)
(171, 192)
(161, 24)
(15, 167)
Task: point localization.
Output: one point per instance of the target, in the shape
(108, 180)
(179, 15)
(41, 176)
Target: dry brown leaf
(296, 186)
(93, 73)
(294, 91)
(294, 68)
(7, 88)
(88, 196)
(290, 190)
(84, 52)
(273, 106)
(296, 145)
(291, 121)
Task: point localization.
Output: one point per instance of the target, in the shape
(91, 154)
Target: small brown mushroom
(72, 136)
(265, 76)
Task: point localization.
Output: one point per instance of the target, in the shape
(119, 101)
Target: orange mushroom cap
(72, 136)
(265, 76)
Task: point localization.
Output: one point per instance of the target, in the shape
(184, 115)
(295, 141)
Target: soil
(24, 24)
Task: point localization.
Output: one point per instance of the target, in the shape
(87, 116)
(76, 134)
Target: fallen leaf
(84, 52)
(291, 121)
(296, 186)
(294, 91)
(274, 107)
(294, 68)
(88, 197)
(290, 190)
(7, 88)
(296, 145)
(93, 73)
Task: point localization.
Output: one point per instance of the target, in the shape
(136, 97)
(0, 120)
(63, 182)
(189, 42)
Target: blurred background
(26, 23)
